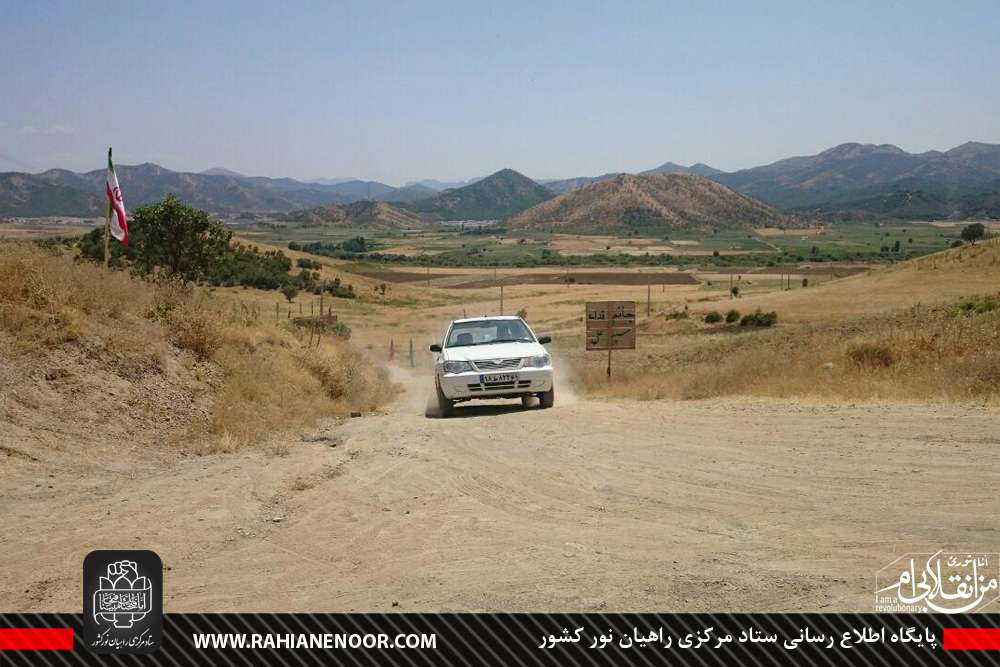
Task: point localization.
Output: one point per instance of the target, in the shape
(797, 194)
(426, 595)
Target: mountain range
(63, 192)
(851, 180)
(853, 172)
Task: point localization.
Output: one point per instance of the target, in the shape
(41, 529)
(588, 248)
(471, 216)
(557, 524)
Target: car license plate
(506, 378)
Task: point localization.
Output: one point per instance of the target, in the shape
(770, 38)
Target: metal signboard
(610, 325)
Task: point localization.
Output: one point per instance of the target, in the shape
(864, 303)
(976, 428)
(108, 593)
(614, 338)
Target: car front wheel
(547, 398)
(445, 407)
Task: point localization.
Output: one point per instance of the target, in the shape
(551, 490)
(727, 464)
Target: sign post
(610, 326)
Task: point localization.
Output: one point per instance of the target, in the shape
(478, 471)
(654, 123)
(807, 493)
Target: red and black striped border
(514, 639)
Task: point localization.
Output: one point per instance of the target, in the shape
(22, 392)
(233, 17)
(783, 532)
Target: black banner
(528, 639)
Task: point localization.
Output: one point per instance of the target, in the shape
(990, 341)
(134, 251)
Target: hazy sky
(398, 91)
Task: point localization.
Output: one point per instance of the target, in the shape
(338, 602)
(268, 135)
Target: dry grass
(927, 329)
(941, 277)
(943, 353)
(45, 298)
(271, 380)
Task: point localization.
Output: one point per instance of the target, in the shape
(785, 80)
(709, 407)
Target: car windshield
(484, 332)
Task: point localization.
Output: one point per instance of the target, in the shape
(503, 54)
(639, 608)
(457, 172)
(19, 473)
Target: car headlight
(451, 367)
(541, 361)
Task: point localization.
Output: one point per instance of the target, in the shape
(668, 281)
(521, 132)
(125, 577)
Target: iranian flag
(119, 222)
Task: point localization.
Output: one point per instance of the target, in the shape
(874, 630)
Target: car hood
(494, 351)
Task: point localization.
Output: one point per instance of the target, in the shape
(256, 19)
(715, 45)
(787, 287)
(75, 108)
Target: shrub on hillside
(195, 328)
(732, 316)
(306, 263)
(870, 355)
(979, 304)
(713, 317)
(759, 319)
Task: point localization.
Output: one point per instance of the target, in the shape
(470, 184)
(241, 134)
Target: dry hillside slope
(92, 360)
(653, 201)
(926, 330)
(938, 278)
(361, 215)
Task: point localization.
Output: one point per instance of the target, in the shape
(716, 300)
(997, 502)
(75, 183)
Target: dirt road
(738, 505)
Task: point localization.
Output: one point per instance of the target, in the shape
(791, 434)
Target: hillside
(559, 186)
(411, 192)
(699, 169)
(925, 330)
(930, 280)
(360, 215)
(497, 196)
(910, 205)
(98, 362)
(62, 192)
(30, 195)
(652, 202)
(437, 186)
(854, 172)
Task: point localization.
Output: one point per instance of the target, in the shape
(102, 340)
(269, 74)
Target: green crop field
(449, 246)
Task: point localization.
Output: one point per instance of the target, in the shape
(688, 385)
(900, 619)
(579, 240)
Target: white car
(492, 357)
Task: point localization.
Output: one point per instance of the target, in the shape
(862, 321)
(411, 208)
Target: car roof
(491, 317)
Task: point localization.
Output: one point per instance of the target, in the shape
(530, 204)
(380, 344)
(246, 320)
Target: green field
(839, 242)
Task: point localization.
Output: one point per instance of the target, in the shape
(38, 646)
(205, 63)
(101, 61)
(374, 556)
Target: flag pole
(107, 228)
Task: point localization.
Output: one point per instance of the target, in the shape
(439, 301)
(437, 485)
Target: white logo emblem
(124, 597)
(944, 583)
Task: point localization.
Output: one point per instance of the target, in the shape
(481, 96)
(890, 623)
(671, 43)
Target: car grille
(500, 386)
(497, 364)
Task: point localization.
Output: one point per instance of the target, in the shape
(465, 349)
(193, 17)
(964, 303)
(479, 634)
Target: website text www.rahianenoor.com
(273, 640)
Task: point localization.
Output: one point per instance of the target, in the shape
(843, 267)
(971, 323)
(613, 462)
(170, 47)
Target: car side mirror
(544, 339)
(435, 348)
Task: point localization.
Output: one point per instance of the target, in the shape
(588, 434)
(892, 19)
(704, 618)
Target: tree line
(171, 238)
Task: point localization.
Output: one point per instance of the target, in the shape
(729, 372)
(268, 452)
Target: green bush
(979, 304)
(732, 316)
(306, 263)
(759, 319)
(713, 317)
(339, 329)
